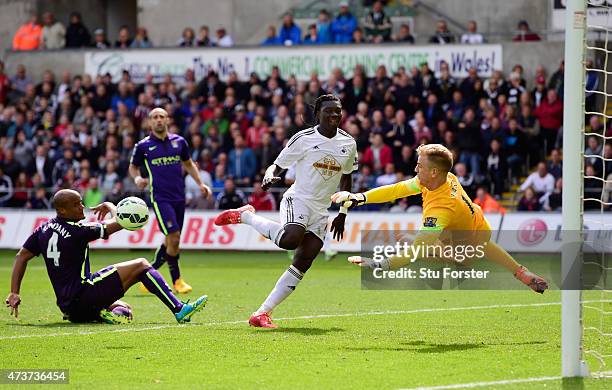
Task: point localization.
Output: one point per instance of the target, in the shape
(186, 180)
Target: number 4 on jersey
(52, 252)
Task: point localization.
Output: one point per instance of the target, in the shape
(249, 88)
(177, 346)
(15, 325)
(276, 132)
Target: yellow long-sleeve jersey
(446, 208)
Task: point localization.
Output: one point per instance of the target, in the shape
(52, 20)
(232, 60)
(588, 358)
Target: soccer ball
(123, 311)
(132, 213)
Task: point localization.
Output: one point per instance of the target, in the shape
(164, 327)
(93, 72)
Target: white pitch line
(338, 315)
(492, 383)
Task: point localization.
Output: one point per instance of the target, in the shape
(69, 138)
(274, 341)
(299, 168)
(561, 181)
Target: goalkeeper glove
(365, 262)
(349, 200)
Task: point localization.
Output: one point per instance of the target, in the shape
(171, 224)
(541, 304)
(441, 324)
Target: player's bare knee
(143, 264)
(173, 240)
(290, 241)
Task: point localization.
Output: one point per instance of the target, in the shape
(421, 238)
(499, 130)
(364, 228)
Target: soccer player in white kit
(325, 157)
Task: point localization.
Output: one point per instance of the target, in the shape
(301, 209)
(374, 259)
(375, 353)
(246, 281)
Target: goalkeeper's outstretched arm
(382, 194)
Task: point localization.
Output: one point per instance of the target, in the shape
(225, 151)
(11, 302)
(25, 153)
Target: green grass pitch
(332, 334)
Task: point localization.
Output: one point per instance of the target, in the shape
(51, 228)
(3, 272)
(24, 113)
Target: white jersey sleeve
(294, 150)
(351, 163)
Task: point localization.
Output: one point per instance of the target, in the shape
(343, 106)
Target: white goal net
(596, 204)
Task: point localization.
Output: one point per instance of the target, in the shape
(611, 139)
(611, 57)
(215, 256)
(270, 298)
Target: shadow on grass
(420, 347)
(306, 331)
(572, 384)
(63, 324)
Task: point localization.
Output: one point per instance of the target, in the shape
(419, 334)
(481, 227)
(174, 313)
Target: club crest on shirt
(430, 222)
(174, 144)
(327, 167)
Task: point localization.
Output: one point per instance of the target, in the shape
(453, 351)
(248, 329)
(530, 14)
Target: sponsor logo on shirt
(168, 160)
(327, 167)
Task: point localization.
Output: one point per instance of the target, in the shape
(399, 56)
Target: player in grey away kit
(82, 296)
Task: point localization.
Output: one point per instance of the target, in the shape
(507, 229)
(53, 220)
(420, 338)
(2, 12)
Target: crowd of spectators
(78, 131)
(52, 34)
(343, 28)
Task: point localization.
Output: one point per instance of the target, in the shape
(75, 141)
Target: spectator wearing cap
(141, 40)
(525, 34)
(290, 33)
(472, 36)
(28, 36)
(324, 32)
(124, 40)
(77, 35)
(442, 35)
(377, 24)
(203, 37)
(271, 37)
(53, 33)
(240, 118)
(223, 38)
(539, 91)
(343, 25)
(100, 41)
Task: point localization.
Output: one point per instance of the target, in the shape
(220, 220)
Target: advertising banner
(300, 61)
(598, 13)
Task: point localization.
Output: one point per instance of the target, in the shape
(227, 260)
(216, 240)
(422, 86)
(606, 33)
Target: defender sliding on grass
(82, 296)
(446, 208)
(325, 156)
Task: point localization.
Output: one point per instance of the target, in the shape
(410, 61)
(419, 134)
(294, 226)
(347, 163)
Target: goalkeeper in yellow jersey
(446, 208)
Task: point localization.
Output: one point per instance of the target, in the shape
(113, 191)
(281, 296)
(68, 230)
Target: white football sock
(268, 228)
(284, 287)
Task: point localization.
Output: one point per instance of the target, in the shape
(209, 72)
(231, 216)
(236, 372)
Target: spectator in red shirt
(550, 115)
(525, 34)
(255, 132)
(22, 185)
(4, 84)
(378, 155)
(261, 200)
(209, 110)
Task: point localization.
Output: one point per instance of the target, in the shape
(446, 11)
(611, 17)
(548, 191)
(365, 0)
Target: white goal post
(572, 363)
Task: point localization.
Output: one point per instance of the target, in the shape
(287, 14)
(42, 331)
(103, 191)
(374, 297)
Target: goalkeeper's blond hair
(439, 155)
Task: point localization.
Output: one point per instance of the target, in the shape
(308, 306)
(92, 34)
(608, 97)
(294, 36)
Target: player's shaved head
(158, 110)
(64, 198)
(438, 155)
